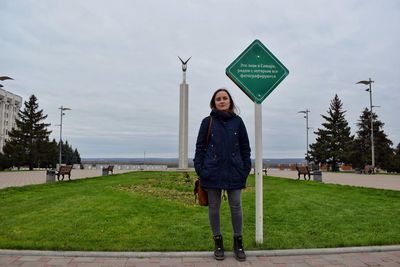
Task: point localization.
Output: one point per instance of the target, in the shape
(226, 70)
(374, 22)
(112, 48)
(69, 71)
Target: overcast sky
(114, 63)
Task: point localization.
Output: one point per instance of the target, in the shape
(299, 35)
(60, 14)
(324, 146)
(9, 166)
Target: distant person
(222, 161)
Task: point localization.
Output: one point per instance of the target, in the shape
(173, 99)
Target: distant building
(10, 104)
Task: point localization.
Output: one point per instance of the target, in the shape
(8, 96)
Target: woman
(222, 161)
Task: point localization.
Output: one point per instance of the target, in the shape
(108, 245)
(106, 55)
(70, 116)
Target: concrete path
(381, 181)
(361, 256)
(21, 178)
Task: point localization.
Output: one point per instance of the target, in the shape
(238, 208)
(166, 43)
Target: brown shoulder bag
(199, 192)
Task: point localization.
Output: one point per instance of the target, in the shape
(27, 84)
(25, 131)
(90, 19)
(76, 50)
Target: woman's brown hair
(232, 106)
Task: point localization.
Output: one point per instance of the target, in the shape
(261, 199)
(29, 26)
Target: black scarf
(222, 115)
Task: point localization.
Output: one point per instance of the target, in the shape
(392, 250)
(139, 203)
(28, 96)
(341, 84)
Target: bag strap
(209, 131)
(196, 189)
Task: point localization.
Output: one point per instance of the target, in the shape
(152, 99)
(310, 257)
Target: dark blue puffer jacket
(225, 163)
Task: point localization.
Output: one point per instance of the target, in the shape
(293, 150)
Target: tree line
(336, 145)
(29, 144)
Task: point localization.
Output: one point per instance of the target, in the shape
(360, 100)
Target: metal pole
(259, 174)
(372, 126)
(369, 82)
(307, 128)
(61, 115)
(307, 111)
(61, 109)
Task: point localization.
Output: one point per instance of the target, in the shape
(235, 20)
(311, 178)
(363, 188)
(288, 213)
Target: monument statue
(183, 118)
(184, 63)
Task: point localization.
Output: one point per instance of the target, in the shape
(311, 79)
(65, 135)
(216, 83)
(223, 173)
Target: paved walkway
(21, 178)
(381, 181)
(363, 256)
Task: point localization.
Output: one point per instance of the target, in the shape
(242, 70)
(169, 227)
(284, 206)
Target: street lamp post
(62, 109)
(307, 128)
(369, 82)
(3, 78)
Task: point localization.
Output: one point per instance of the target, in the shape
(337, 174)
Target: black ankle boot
(238, 248)
(219, 248)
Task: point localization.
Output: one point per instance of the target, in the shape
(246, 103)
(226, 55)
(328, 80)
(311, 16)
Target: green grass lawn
(155, 211)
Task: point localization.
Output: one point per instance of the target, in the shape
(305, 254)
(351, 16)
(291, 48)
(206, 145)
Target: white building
(10, 105)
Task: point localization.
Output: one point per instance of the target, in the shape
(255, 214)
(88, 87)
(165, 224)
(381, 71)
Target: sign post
(259, 174)
(257, 72)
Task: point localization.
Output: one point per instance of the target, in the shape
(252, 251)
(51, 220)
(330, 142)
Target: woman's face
(222, 101)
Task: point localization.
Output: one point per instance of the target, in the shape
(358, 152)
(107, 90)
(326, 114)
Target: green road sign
(257, 72)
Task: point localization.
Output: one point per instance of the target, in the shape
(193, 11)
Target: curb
(186, 254)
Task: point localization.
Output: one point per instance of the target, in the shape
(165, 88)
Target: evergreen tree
(69, 155)
(4, 162)
(396, 160)
(334, 140)
(28, 141)
(393, 164)
(51, 155)
(14, 154)
(382, 145)
(77, 156)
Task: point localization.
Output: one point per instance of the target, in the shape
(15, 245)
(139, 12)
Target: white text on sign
(257, 71)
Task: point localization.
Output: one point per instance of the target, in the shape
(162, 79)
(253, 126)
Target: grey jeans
(235, 204)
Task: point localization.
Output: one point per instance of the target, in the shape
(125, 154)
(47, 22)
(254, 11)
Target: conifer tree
(77, 156)
(69, 155)
(52, 154)
(334, 140)
(362, 145)
(396, 160)
(4, 162)
(27, 142)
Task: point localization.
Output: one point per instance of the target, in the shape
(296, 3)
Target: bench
(304, 170)
(369, 169)
(64, 170)
(108, 169)
(265, 171)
